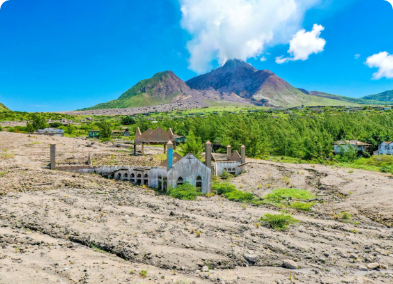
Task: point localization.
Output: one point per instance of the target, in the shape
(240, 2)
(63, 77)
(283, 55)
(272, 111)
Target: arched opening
(125, 175)
(118, 176)
(132, 177)
(199, 182)
(146, 179)
(180, 181)
(139, 179)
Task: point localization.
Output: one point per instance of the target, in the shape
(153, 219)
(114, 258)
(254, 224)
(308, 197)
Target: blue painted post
(170, 154)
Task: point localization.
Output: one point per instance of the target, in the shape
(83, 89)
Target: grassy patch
(185, 191)
(278, 222)
(278, 196)
(232, 193)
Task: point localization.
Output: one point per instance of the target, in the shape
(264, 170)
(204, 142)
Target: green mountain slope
(358, 101)
(3, 108)
(386, 97)
(162, 88)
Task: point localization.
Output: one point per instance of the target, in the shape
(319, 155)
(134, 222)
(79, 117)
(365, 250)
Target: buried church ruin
(174, 171)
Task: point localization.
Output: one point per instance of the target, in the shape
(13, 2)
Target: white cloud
(303, 44)
(225, 29)
(384, 62)
(263, 58)
(357, 56)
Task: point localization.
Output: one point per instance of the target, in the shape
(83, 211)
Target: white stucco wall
(221, 166)
(385, 149)
(189, 168)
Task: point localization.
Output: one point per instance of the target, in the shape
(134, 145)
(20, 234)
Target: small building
(343, 145)
(385, 148)
(50, 132)
(116, 133)
(94, 134)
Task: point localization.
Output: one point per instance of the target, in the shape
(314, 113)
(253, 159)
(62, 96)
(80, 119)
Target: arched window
(180, 181)
(199, 182)
(139, 179)
(159, 177)
(132, 177)
(146, 179)
(119, 176)
(126, 175)
(146, 176)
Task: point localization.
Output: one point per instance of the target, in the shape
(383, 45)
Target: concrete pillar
(229, 152)
(89, 160)
(164, 148)
(243, 151)
(170, 154)
(134, 148)
(143, 149)
(53, 156)
(208, 154)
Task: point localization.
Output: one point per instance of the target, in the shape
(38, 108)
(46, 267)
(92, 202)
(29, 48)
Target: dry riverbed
(59, 227)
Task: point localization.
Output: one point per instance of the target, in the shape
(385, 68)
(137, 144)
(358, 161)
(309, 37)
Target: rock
(205, 269)
(373, 266)
(290, 264)
(362, 268)
(251, 258)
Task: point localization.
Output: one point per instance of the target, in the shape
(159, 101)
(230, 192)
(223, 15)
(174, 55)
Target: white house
(359, 145)
(385, 148)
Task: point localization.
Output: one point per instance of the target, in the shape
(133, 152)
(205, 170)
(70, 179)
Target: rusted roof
(387, 142)
(351, 142)
(236, 157)
(158, 135)
(176, 158)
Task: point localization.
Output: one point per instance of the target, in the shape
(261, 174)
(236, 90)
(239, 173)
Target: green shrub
(1, 128)
(226, 175)
(278, 222)
(223, 187)
(185, 191)
(239, 195)
(345, 215)
(294, 193)
(302, 206)
(143, 273)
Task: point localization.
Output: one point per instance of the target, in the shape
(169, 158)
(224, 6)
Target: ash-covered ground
(59, 227)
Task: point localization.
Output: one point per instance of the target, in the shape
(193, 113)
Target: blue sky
(70, 54)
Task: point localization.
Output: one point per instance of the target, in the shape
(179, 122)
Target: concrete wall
(221, 166)
(189, 168)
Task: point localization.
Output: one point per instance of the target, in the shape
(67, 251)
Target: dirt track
(58, 227)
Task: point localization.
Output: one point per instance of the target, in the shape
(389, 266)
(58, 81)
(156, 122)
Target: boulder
(251, 258)
(373, 266)
(290, 264)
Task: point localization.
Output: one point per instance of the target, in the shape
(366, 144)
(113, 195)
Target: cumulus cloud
(303, 44)
(225, 29)
(384, 62)
(263, 58)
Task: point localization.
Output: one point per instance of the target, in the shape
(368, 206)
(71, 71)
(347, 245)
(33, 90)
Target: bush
(294, 193)
(302, 206)
(232, 193)
(128, 120)
(55, 124)
(1, 128)
(105, 130)
(226, 175)
(223, 188)
(278, 222)
(185, 191)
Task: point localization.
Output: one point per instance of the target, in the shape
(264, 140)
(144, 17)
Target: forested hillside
(302, 136)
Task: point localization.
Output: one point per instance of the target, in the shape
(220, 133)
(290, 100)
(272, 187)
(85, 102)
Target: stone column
(208, 154)
(143, 149)
(229, 152)
(164, 148)
(170, 155)
(134, 148)
(243, 151)
(53, 156)
(89, 161)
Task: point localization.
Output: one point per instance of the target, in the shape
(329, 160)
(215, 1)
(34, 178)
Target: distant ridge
(3, 108)
(381, 97)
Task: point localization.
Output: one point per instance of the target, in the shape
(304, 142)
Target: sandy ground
(59, 227)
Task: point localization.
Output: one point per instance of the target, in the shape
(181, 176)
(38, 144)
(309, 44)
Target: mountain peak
(233, 64)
